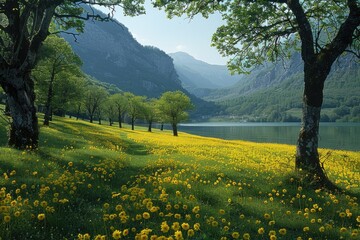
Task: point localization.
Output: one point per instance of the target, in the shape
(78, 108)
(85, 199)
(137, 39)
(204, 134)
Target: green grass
(95, 180)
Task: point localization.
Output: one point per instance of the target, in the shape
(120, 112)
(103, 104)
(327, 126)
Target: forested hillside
(273, 92)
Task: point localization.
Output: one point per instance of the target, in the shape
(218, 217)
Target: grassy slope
(91, 179)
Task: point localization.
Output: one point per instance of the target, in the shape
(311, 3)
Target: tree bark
(119, 118)
(49, 99)
(175, 131)
(307, 159)
(24, 132)
(132, 123)
(150, 125)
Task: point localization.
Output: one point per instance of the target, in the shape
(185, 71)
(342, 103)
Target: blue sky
(178, 34)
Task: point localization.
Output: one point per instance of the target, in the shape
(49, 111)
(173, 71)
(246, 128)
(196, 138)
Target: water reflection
(332, 135)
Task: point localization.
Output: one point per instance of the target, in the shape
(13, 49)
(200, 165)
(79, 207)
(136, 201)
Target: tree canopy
(256, 31)
(172, 107)
(24, 25)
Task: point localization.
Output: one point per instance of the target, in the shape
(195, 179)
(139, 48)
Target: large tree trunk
(24, 132)
(307, 155)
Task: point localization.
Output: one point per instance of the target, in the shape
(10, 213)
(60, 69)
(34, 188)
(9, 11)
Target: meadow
(89, 181)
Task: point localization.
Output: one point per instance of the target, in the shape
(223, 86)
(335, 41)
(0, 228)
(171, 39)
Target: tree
(150, 112)
(173, 106)
(94, 97)
(259, 30)
(110, 110)
(24, 25)
(121, 103)
(135, 107)
(57, 63)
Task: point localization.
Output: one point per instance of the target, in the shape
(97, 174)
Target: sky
(192, 36)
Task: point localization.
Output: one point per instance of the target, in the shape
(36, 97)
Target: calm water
(344, 136)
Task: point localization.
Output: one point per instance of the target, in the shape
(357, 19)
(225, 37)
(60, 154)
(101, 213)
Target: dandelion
(267, 216)
(235, 235)
(175, 226)
(146, 215)
(196, 209)
(197, 226)
(185, 226)
(7, 218)
(343, 229)
(322, 229)
(282, 231)
(306, 229)
(178, 235)
(116, 234)
(246, 236)
(342, 214)
(261, 231)
(41, 216)
(190, 232)
(164, 227)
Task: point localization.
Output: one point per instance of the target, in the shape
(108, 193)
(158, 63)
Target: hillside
(111, 54)
(197, 76)
(273, 92)
(88, 181)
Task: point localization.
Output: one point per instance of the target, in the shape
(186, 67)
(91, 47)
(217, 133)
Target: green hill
(88, 181)
(273, 92)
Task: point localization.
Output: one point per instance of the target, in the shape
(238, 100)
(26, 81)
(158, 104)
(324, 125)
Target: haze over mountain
(196, 76)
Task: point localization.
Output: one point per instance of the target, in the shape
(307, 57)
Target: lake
(345, 136)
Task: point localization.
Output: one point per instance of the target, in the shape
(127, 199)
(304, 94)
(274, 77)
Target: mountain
(111, 54)
(273, 92)
(197, 76)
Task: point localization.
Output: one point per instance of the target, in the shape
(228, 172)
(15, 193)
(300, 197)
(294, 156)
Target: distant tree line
(63, 89)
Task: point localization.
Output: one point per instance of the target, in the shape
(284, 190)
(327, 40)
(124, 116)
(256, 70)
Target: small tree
(150, 112)
(94, 96)
(121, 103)
(135, 107)
(110, 109)
(57, 63)
(173, 106)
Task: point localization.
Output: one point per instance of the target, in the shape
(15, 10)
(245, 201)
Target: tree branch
(305, 32)
(344, 37)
